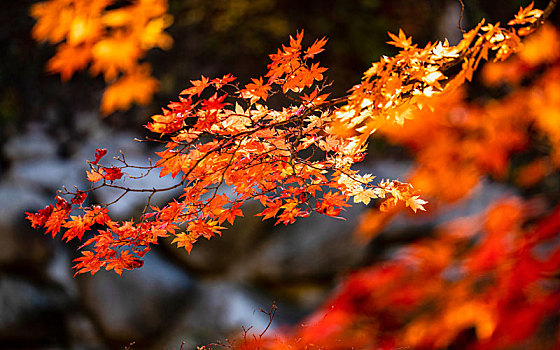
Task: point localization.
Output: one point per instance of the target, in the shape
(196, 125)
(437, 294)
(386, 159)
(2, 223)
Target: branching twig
(459, 24)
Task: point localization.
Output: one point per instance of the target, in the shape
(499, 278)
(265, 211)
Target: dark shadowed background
(49, 128)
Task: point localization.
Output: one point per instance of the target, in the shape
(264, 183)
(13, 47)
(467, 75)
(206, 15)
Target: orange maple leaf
(95, 175)
(401, 41)
(316, 48)
(198, 86)
(69, 59)
(256, 90)
(76, 228)
(185, 240)
(136, 87)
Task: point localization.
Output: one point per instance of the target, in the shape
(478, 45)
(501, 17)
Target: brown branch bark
(549, 9)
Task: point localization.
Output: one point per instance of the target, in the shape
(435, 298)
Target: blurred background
(48, 128)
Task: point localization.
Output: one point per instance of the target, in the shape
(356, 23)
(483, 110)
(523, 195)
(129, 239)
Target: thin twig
(270, 315)
(459, 25)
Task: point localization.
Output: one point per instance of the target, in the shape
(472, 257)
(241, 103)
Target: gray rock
(217, 311)
(314, 248)
(81, 333)
(139, 304)
(35, 143)
(59, 269)
(21, 246)
(16, 198)
(48, 174)
(31, 313)
(24, 249)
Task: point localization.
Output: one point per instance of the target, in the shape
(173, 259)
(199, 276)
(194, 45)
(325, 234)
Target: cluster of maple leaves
(285, 159)
(456, 144)
(486, 281)
(483, 282)
(294, 161)
(110, 37)
(479, 282)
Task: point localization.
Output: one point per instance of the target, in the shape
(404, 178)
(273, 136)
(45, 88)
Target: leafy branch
(294, 160)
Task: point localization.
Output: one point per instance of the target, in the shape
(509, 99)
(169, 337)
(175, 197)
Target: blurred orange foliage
(487, 287)
(486, 281)
(459, 142)
(482, 282)
(110, 38)
(489, 281)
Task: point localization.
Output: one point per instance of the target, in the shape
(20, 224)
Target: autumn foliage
(109, 38)
(488, 281)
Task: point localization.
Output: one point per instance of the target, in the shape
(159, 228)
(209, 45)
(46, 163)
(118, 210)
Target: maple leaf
(291, 211)
(69, 59)
(167, 123)
(332, 203)
(76, 228)
(526, 15)
(47, 24)
(401, 41)
(316, 73)
(99, 153)
(125, 260)
(95, 175)
(197, 88)
(316, 48)
(88, 262)
(215, 102)
(220, 82)
(314, 98)
(56, 219)
(295, 43)
(185, 240)
(136, 86)
(113, 54)
(79, 198)
(153, 34)
(112, 173)
(415, 203)
(271, 208)
(256, 90)
(365, 196)
(206, 229)
(171, 163)
(96, 214)
(86, 26)
(40, 218)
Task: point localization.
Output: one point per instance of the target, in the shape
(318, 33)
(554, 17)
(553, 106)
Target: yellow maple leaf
(84, 29)
(113, 54)
(415, 203)
(94, 175)
(400, 41)
(74, 20)
(365, 196)
(185, 240)
(153, 34)
(53, 20)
